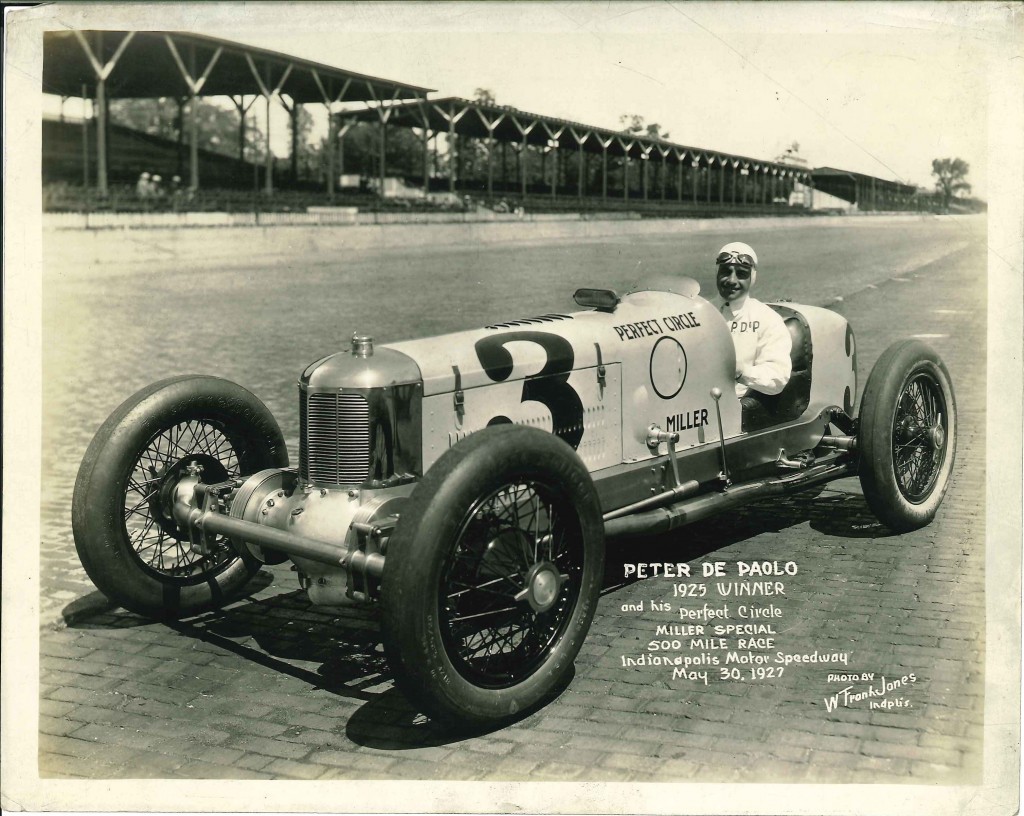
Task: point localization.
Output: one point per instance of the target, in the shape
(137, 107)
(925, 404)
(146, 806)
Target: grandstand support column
(85, 140)
(524, 132)
(384, 114)
(294, 116)
(665, 167)
(452, 118)
(332, 146)
(193, 143)
(605, 144)
(329, 101)
(580, 168)
(425, 119)
(625, 166)
(102, 72)
(101, 136)
(264, 83)
(554, 169)
(735, 175)
(694, 177)
(490, 125)
(679, 176)
(195, 85)
(243, 112)
(707, 180)
(554, 136)
(292, 109)
(268, 176)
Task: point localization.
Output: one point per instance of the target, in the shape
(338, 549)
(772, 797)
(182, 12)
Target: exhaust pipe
(694, 509)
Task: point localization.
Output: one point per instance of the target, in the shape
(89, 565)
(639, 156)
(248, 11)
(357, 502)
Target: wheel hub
(542, 587)
(209, 470)
(937, 435)
(908, 429)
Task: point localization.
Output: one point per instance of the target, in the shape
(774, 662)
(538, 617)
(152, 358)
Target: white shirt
(763, 345)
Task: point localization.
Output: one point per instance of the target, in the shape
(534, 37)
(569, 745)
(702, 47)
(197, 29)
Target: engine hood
(552, 343)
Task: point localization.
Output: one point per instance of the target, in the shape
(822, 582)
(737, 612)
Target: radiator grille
(334, 446)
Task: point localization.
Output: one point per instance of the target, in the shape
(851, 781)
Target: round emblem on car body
(668, 367)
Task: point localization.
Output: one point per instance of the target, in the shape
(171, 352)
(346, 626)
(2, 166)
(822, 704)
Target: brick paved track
(274, 688)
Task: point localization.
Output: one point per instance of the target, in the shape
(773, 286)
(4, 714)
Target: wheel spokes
(494, 630)
(152, 534)
(919, 437)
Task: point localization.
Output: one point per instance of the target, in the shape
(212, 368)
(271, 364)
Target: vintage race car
(467, 482)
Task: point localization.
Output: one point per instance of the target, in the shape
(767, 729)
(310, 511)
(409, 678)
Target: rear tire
(492, 577)
(907, 437)
(126, 540)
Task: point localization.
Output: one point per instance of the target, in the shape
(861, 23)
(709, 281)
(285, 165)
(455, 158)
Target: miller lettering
(696, 418)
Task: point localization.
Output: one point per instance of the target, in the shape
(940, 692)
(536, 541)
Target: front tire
(126, 539)
(907, 437)
(492, 577)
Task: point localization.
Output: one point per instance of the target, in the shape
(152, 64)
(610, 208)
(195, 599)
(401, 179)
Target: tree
(950, 178)
(167, 118)
(484, 96)
(636, 125)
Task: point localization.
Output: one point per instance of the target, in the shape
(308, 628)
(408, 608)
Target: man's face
(733, 281)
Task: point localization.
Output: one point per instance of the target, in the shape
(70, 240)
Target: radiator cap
(362, 345)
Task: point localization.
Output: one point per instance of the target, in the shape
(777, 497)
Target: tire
(126, 540)
(907, 437)
(468, 523)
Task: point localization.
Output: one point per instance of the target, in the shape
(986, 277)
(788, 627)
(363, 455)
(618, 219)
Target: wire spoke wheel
(507, 591)
(492, 577)
(919, 437)
(126, 535)
(907, 436)
(152, 533)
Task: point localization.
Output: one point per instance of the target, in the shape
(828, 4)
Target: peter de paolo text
(720, 621)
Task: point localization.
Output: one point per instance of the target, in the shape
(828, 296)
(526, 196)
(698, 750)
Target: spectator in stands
(763, 342)
(158, 190)
(143, 187)
(176, 192)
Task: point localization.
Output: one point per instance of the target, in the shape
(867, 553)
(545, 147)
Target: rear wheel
(907, 437)
(492, 577)
(128, 541)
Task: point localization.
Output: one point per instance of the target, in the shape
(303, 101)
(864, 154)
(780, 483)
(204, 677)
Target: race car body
(467, 482)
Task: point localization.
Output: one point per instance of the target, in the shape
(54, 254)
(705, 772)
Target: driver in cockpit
(762, 341)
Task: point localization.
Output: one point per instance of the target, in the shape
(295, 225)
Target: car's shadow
(285, 632)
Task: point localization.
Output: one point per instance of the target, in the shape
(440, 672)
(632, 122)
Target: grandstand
(481, 154)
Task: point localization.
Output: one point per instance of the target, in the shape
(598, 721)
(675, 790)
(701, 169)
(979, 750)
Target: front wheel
(492, 577)
(907, 436)
(126, 537)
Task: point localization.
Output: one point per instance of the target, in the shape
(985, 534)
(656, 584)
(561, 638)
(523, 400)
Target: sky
(880, 88)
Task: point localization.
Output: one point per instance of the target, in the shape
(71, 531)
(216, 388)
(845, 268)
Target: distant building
(802, 195)
(791, 156)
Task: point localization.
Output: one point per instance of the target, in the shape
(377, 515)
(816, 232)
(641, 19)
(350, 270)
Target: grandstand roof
(474, 119)
(152, 64)
(822, 175)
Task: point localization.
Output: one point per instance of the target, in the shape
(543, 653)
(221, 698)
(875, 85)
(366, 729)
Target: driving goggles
(739, 258)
